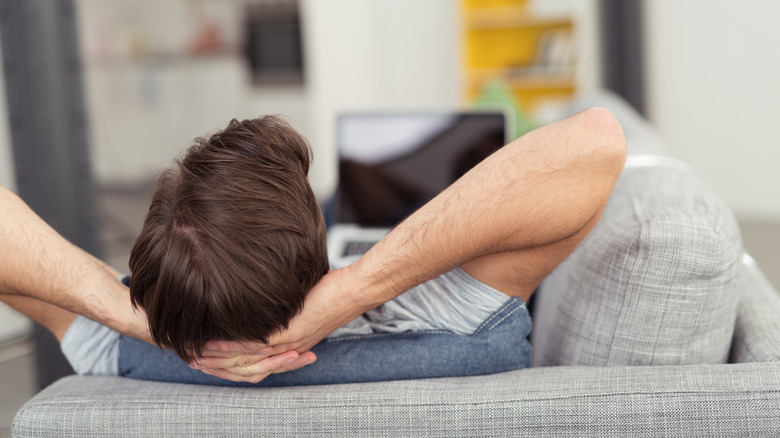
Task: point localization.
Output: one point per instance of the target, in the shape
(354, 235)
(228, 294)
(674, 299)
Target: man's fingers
(287, 361)
(256, 372)
(265, 351)
(237, 360)
(226, 375)
(228, 348)
(305, 358)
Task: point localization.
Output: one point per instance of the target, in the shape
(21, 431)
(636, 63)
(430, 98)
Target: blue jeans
(499, 344)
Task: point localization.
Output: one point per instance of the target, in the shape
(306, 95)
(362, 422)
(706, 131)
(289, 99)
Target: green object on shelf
(497, 93)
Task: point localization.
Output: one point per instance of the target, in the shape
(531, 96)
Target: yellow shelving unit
(504, 40)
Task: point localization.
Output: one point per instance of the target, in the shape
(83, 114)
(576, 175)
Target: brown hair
(233, 241)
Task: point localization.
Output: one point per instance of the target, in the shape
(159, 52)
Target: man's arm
(535, 192)
(36, 262)
(56, 319)
(508, 222)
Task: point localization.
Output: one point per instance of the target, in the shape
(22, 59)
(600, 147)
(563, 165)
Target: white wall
(589, 71)
(714, 94)
(376, 54)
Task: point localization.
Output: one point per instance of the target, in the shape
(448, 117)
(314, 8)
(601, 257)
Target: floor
(121, 213)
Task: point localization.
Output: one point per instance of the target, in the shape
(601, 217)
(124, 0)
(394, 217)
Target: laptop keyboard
(357, 247)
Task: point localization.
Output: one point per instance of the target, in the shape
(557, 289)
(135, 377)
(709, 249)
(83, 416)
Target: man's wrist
(111, 306)
(370, 285)
(131, 321)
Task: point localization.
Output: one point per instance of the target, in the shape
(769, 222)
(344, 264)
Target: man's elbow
(608, 143)
(601, 158)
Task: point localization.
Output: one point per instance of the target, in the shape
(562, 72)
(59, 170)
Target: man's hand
(327, 308)
(126, 319)
(256, 371)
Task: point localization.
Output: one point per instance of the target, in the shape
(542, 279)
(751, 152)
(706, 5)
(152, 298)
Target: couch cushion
(655, 283)
(694, 400)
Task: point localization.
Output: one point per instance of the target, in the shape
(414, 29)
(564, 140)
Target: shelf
(159, 59)
(533, 56)
(542, 82)
(524, 78)
(510, 17)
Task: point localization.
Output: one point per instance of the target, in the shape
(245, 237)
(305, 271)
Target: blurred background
(98, 97)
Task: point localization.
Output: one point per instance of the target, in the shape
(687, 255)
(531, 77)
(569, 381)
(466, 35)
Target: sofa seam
(81, 401)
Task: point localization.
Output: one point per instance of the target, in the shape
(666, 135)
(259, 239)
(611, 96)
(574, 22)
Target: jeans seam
(494, 315)
(505, 317)
(381, 335)
(498, 313)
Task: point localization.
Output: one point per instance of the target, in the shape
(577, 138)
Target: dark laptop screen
(390, 164)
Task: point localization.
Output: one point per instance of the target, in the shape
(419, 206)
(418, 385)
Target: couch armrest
(703, 400)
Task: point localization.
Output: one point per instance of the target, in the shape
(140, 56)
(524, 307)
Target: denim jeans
(499, 344)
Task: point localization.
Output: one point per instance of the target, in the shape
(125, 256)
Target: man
(507, 224)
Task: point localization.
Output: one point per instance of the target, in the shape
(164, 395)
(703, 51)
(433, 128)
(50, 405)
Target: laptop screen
(390, 164)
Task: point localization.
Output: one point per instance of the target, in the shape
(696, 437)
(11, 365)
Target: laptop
(392, 163)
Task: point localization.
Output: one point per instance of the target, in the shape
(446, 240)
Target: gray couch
(658, 324)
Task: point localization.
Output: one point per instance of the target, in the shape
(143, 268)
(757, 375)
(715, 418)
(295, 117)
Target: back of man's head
(233, 241)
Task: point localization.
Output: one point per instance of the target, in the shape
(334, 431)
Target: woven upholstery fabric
(657, 281)
(757, 334)
(708, 400)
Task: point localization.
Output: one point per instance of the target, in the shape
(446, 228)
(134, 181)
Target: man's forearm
(37, 262)
(539, 189)
(56, 319)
